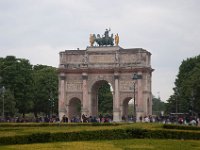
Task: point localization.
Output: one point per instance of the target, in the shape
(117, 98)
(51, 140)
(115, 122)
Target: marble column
(62, 95)
(139, 101)
(150, 93)
(85, 100)
(116, 102)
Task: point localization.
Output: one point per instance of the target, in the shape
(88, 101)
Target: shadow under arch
(94, 96)
(74, 110)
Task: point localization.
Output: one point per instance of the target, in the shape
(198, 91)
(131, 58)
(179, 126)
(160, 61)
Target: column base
(85, 111)
(117, 117)
(139, 115)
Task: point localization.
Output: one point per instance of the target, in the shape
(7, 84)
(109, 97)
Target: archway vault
(82, 71)
(103, 78)
(95, 99)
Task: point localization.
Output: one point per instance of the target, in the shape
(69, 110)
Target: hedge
(111, 134)
(180, 127)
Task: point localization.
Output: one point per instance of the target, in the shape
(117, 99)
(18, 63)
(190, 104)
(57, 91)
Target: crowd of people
(169, 119)
(30, 119)
(55, 118)
(84, 118)
(172, 119)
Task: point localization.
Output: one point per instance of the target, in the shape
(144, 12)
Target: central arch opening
(102, 99)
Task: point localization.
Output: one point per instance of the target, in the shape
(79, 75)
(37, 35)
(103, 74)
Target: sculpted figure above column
(117, 39)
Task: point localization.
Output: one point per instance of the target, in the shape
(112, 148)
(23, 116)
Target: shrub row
(180, 127)
(112, 134)
(55, 124)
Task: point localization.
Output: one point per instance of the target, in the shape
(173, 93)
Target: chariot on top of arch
(105, 40)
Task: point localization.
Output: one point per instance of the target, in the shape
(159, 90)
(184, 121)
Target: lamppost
(135, 78)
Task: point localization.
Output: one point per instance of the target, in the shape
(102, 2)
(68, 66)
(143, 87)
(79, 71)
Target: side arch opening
(128, 110)
(74, 110)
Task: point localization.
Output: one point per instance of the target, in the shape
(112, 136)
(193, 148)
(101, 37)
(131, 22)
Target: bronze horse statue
(104, 40)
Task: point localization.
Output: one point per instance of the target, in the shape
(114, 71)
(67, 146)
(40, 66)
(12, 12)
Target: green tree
(45, 89)
(157, 106)
(9, 103)
(105, 99)
(17, 77)
(186, 97)
(171, 105)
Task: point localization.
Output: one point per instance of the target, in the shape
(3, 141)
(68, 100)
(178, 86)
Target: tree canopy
(158, 106)
(105, 99)
(186, 97)
(45, 89)
(28, 88)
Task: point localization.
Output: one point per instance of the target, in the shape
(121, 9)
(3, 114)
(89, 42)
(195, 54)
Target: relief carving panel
(74, 86)
(75, 58)
(101, 58)
(128, 58)
(126, 86)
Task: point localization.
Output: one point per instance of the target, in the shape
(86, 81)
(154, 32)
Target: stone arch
(125, 105)
(78, 79)
(71, 96)
(94, 95)
(107, 79)
(124, 96)
(74, 108)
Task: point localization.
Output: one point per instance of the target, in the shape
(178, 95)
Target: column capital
(116, 75)
(62, 76)
(84, 76)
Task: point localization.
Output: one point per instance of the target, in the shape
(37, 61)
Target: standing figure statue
(85, 58)
(117, 39)
(92, 39)
(106, 34)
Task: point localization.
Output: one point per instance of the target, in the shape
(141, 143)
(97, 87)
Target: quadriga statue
(105, 40)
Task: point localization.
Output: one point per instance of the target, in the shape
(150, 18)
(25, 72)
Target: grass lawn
(139, 144)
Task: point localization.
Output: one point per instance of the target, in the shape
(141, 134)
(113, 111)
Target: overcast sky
(39, 29)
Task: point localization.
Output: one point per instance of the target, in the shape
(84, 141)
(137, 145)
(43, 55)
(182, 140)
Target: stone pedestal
(116, 116)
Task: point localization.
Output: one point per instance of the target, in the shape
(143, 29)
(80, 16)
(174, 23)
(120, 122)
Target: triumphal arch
(82, 72)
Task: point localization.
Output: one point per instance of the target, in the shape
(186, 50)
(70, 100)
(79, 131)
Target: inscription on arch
(102, 59)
